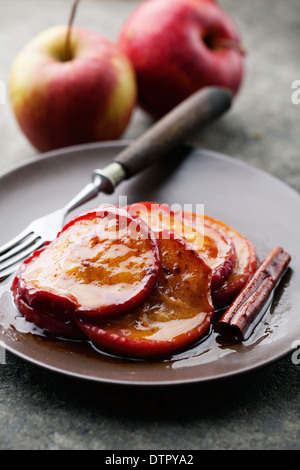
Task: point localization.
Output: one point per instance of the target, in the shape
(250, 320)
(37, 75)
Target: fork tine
(14, 241)
(9, 266)
(18, 248)
(7, 272)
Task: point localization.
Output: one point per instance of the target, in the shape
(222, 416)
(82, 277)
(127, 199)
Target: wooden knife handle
(175, 128)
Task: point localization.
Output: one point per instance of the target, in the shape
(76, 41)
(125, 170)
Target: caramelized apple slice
(44, 320)
(103, 263)
(244, 265)
(216, 247)
(176, 314)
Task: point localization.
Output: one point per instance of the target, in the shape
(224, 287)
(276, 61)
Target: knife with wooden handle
(171, 131)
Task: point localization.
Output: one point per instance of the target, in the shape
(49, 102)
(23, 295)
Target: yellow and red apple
(60, 101)
(178, 47)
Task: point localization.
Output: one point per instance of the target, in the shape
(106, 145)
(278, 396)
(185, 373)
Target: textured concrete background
(259, 410)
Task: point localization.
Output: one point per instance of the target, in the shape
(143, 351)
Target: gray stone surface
(258, 410)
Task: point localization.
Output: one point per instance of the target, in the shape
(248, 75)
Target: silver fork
(164, 136)
(47, 227)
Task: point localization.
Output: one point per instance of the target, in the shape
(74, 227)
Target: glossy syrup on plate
(211, 348)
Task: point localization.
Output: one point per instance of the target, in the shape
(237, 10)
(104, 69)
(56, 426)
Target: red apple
(179, 46)
(60, 101)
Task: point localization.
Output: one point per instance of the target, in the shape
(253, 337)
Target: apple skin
(178, 47)
(45, 321)
(244, 267)
(245, 263)
(60, 103)
(89, 270)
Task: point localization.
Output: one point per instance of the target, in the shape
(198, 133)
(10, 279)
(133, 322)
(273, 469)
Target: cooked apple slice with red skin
(175, 315)
(244, 267)
(44, 320)
(103, 263)
(245, 263)
(216, 247)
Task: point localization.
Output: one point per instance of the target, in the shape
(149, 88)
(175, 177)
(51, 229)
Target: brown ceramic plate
(255, 203)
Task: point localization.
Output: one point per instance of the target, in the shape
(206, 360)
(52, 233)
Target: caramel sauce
(216, 248)
(212, 244)
(179, 308)
(89, 266)
(94, 262)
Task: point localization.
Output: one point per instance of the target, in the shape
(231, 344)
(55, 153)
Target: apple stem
(68, 55)
(229, 44)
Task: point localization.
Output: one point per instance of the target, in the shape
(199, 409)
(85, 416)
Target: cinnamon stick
(242, 315)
